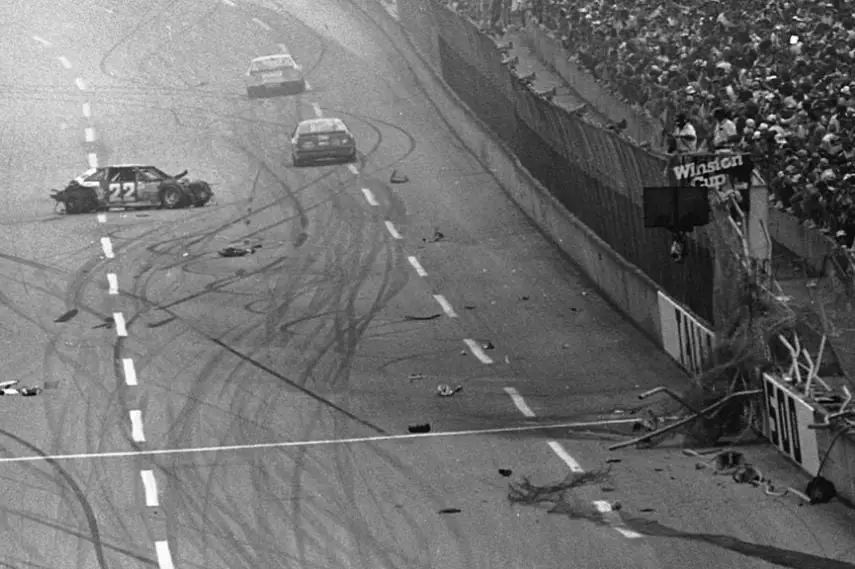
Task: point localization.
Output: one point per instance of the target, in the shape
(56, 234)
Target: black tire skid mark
(91, 520)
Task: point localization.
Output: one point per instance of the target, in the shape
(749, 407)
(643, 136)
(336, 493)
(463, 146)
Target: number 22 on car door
(122, 192)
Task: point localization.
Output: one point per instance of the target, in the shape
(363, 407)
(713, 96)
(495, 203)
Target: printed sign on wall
(787, 420)
(684, 338)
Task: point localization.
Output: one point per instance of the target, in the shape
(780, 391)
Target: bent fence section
(597, 175)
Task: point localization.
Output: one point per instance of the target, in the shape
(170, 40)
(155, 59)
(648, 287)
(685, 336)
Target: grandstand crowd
(775, 78)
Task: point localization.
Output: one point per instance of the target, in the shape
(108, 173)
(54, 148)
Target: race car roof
(312, 126)
(273, 61)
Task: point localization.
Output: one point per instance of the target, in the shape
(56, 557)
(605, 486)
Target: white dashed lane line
(87, 110)
(119, 319)
(417, 266)
(137, 433)
(150, 488)
(102, 218)
(565, 456)
(611, 517)
(81, 84)
(64, 61)
(107, 246)
(446, 306)
(89, 134)
(42, 41)
(130, 371)
(392, 231)
(164, 556)
(92, 158)
(519, 402)
(113, 282)
(369, 197)
(261, 24)
(353, 169)
(477, 351)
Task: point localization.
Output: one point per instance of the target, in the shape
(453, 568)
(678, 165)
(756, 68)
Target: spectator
(685, 137)
(725, 134)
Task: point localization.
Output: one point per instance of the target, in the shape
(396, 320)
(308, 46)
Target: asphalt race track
(253, 412)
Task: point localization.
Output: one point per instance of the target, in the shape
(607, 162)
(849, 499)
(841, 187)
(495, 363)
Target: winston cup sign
(710, 170)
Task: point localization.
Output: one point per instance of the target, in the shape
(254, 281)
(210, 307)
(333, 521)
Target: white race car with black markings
(131, 185)
(274, 74)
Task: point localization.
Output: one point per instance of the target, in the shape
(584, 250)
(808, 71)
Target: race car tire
(352, 157)
(202, 194)
(172, 196)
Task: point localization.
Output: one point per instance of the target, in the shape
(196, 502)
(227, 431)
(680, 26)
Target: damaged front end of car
(75, 199)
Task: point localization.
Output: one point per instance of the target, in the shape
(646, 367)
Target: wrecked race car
(130, 185)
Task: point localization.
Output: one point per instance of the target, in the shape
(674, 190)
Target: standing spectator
(725, 134)
(685, 137)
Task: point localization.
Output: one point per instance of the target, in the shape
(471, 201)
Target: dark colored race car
(131, 185)
(272, 74)
(322, 139)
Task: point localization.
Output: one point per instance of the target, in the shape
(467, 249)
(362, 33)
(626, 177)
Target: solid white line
(137, 426)
(417, 266)
(392, 231)
(107, 246)
(42, 40)
(113, 281)
(612, 518)
(150, 487)
(89, 134)
(87, 110)
(93, 160)
(369, 197)
(446, 306)
(64, 61)
(317, 108)
(261, 23)
(130, 371)
(164, 556)
(102, 218)
(80, 84)
(303, 444)
(565, 456)
(519, 402)
(353, 169)
(477, 351)
(121, 330)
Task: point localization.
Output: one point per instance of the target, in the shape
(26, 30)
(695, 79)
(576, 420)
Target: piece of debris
(397, 178)
(607, 489)
(450, 511)
(613, 460)
(423, 428)
(469, 306)
(617, 506)
(444, 390)
(143, 215)
(437, 236)
(431, 317)
(646, 510)
(524, 298)
(68, 315)
(820, 490)
(7, 388)
(416, 376)
(505, 472)
(488, 346)
(463, 352)
(51, 385)
(525, 492)
(233, 251)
